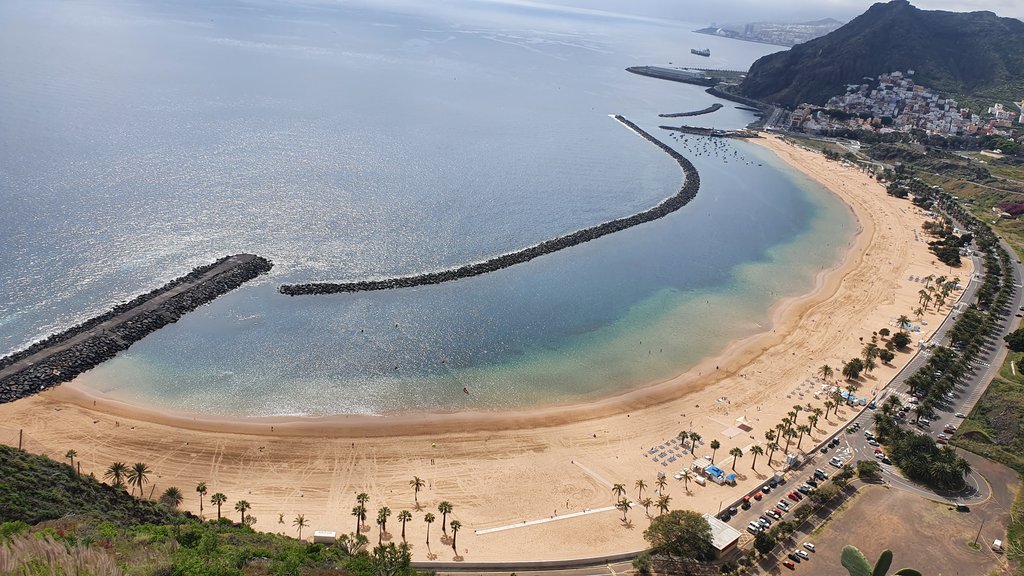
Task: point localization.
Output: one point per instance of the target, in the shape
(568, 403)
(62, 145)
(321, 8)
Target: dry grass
(30, 556)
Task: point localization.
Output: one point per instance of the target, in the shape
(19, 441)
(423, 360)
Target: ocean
(360, 140)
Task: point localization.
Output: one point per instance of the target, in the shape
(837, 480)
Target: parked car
(745, 505)
(941, 441)
(873, 442)
(885, 460)
(812, 482)
(793, 496)
(805, 489)
(773, 514)
(753, 528)
(766, 489)
(837, 462)
(960, 415)
(773, 483)
(803, 554)
(789, 564)
(809, 546)
(792, 556)
(758, 496)
(824, 449)
(821, 474)
(784, 505)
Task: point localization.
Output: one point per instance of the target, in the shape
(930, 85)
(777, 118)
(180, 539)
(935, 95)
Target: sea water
(351, 141)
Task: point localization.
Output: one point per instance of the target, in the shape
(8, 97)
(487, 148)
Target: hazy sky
(706, 11)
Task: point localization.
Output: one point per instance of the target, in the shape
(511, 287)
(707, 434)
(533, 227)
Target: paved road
(613, 569)
(967, 393)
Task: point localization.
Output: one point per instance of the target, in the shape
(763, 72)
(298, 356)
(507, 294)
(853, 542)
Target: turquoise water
(349, 141)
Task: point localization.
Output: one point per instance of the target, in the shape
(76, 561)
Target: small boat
(701, 52)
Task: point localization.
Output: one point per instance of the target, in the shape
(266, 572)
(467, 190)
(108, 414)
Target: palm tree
(300, 523)
(201, 490)
(813, 419)
(803, 429)
(359, 511)
(661, 482)
(647, 503)
(70, 455)
(789, 434)
(640, 487)
(623, 505)
(172, 498)
(429, 519)
(417, 484)
(770, 435)
(403, 517)
(619, 490)
(828, 406)
(445, 508)
(756, 450)
(903, 322)
(242, 507)
(826, 372)
(694, 439)
(735, 453)
(218, 500)
(663, 503)
(856, 564)
(138, 476)
(772, 447)
(455, 532)
(687, 476)
(362, 498)
(382, 521)
(117, 472)
(715, 445)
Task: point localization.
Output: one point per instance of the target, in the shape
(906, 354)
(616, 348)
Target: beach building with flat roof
(724, 537)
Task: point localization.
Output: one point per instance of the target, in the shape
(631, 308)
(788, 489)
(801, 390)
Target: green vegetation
(34, 489)
(682, 534)
(857, 565)
(976, 57)
(54, 518)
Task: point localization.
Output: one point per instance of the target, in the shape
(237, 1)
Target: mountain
(975, 55)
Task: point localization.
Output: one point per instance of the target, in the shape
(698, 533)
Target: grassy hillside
(54, 522)
(34, 489)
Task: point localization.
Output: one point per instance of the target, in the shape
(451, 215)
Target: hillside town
(895, 103)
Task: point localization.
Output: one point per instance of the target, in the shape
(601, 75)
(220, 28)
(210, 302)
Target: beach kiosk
(724, 537)
(324, 537)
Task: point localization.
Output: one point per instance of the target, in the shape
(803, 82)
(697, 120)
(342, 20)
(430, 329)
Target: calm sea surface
(357, 140)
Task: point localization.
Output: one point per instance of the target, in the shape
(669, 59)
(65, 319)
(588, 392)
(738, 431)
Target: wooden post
(20, 432)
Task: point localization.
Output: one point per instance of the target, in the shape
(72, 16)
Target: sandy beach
(534, 484)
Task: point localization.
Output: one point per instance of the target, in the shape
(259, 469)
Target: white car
(809, 546)
(960, 415)
(803, 554)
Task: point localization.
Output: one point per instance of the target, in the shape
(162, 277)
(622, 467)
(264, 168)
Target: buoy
(466, 390)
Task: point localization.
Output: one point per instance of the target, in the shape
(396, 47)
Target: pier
(686, 193)
(713, 108)
(61, 357)
(700, 131)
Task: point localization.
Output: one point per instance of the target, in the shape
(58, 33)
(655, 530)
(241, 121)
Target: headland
(532, 484)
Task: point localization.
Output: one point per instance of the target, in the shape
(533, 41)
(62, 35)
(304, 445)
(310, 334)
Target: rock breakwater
(60, 357)
(686, 193)
(713, 108)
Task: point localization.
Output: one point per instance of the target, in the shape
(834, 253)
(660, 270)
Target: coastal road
(966, 396)
(612, 569)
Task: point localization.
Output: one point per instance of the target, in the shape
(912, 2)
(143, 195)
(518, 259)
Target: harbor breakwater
(687, 192)
(713, 108)
(63, 356)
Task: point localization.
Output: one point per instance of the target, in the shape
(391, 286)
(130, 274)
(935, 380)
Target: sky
(742, 11)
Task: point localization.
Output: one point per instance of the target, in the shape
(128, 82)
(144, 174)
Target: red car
(789, 564)
(940, 440)
(792, 496)
(758, 496)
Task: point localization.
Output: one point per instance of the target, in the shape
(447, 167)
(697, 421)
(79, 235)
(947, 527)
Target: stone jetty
(713, 108)
(60, 357)
(687, 192)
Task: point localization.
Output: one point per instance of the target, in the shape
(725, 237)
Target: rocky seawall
(63, 356)
(713, 108)
(686, 193)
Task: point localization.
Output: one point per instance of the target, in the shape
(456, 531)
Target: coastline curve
(687, 192)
